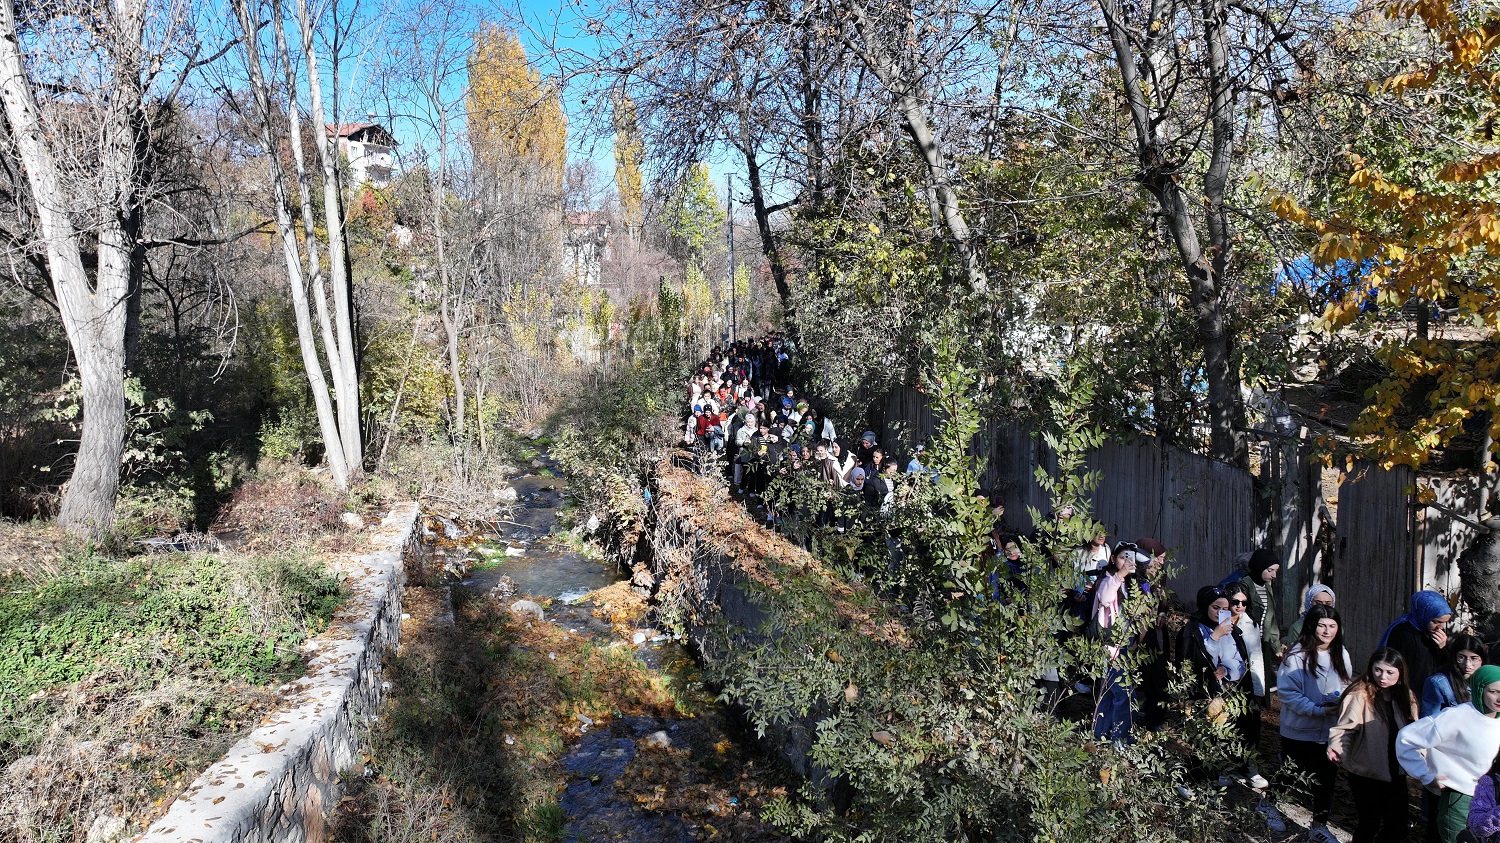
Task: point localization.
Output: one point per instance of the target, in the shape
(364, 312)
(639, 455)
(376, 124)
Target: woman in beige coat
(1374, 708)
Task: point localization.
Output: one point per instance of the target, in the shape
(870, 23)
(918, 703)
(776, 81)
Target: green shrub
(145, 619)
(282, 439)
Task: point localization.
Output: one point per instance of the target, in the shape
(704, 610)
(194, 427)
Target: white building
(369, 150)
(585, 246)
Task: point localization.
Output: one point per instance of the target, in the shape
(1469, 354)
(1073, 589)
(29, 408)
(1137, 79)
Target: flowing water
(599, 802)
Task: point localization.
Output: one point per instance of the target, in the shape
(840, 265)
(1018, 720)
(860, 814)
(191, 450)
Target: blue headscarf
(1425, 605)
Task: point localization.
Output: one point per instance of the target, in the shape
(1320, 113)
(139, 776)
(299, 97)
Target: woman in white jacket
(1311, 680)
(1249, 724)
(1450, 750)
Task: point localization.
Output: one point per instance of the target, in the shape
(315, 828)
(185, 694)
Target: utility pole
(729, 264)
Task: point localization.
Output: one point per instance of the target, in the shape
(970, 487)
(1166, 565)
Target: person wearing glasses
(1450, 685)
(1254, 685)
(1218, 652)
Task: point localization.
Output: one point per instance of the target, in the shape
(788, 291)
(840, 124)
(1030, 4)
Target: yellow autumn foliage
(1427, 244)
(630, 152)
(515, 117)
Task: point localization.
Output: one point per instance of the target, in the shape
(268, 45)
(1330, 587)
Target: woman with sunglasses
(1311, 680)
(1113, 715)
(1248, 723)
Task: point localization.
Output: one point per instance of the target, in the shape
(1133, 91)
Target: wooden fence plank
(1375, 575)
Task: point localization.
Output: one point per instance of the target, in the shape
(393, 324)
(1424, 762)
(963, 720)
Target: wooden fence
(1374, 545)
(1375, 572)
(1201, 508)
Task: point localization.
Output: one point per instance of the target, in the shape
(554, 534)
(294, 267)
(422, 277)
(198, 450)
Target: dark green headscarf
(1482, 678)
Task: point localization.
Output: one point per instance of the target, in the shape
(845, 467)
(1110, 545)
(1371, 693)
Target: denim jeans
(1112, 717)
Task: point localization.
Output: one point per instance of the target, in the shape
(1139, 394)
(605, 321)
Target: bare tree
(81, 136)
(1186, 67)
(304, 269)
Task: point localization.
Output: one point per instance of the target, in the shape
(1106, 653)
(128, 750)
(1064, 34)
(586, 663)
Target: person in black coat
(1420, 635)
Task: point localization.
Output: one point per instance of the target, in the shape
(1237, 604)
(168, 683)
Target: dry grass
(120, 679)
(32, 549)
(718, 523)
(286, 507)
(113, 750)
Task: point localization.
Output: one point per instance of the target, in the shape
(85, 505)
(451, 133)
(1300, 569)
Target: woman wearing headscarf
(1318, 595)
(1420, 635)
(1263, 567)
(1450, 750)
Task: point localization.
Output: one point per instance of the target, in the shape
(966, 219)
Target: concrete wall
(278, 782)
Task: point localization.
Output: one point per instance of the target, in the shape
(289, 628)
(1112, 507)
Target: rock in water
(504, 587)
(527, 607)
(506, 495)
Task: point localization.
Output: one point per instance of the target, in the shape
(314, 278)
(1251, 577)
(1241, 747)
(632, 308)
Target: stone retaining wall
(712, 564)
(278, 782)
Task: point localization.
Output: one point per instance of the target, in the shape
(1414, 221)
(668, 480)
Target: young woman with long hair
(1375, 707)
(1311, 680)
(1449, 751)
(1463, 655)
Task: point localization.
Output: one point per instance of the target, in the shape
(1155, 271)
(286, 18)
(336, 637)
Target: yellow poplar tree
(514, 115)
(629, 151)
(1427, 243)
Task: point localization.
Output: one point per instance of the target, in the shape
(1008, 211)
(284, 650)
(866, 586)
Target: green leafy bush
(141, 620)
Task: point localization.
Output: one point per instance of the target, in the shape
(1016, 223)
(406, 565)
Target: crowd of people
(1423, 706)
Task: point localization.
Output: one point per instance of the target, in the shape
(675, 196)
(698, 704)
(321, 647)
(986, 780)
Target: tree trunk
(914, 116)
(1160, 177)
(768, 245)
(343, 366)
(94, 315)
(311, 363)
(450, 313)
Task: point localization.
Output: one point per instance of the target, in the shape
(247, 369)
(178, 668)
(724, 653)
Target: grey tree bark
(343, 366)
(312, 362)
(94, 311)
(905, 89)
(1204, 264)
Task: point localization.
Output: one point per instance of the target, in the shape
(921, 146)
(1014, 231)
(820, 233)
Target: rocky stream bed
(642, 753)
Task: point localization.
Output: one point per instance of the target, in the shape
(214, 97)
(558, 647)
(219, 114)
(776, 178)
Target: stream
(540, 565)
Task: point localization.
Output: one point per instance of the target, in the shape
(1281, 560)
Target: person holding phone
(1312, 679)
(1213, 645)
